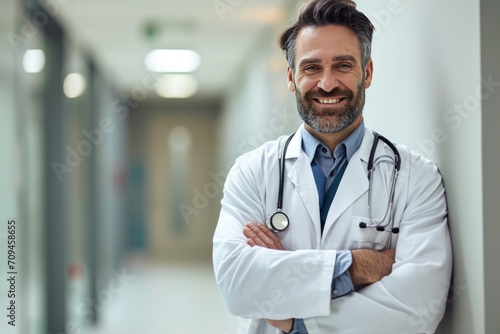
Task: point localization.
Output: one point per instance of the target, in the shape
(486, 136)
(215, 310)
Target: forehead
(326, 41)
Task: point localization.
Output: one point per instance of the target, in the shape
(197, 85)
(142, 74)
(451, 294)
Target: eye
(311, 69)
(344, 66)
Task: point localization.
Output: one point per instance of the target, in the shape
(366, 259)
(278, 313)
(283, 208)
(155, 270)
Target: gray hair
(317, 13)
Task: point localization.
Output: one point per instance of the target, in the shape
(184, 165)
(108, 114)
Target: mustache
(324, 94)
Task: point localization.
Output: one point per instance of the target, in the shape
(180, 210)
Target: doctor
(345, 260)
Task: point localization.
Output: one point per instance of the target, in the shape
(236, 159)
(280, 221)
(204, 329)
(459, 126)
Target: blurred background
(113, 159)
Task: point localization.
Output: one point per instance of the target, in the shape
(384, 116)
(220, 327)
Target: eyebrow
(345, 58)
(335, 59)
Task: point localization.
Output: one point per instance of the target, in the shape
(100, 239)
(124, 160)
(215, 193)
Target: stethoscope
(278, 221)
(389, 210)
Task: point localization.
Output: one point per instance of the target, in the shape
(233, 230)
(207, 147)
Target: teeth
(329, 101)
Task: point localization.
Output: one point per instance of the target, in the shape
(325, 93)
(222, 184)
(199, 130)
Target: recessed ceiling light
(179, 86)
(172, 61)
(74, 85)
(33, 61)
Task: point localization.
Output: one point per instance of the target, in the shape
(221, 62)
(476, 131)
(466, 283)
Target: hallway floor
(171, 299)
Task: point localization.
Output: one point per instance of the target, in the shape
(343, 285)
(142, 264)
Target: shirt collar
(351, 143)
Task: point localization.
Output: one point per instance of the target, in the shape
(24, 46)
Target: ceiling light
(179, 86)
(74, 85)
(172, 60)
(34, 61)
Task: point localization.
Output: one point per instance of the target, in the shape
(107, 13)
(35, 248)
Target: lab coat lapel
(354, 183)
(300, 174)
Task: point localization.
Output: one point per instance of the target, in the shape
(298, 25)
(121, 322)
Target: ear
(289, 76)
(368, 74)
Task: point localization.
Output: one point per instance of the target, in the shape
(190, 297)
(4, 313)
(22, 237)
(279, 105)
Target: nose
(328, 81)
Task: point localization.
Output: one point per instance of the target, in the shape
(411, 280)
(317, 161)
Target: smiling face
(329, 80)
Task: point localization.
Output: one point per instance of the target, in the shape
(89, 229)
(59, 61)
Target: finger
(274, 323)
(261, 235)
(247, 232)
(250, 234)
(271, 235)
(284, 325)
(265, 234)
(251, 243)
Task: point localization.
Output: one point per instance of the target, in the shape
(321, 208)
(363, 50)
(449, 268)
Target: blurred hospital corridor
(164, 297)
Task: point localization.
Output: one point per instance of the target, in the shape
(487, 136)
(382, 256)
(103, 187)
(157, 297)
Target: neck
(331, 140)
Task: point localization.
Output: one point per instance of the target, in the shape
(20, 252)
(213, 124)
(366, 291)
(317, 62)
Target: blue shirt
(330, 163)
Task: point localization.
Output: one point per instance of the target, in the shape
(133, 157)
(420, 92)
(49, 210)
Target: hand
(369, 266)
(260, 235)
(284, 325)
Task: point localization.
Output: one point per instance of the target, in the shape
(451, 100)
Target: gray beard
(332, 125)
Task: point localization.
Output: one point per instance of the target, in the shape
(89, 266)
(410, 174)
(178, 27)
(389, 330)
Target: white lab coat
(261, 283)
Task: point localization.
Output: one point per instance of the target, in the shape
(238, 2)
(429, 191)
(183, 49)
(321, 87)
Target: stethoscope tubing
(379, 225)
(371, 167)
(282, 172)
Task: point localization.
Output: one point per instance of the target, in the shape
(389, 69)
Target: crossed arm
(368, 266)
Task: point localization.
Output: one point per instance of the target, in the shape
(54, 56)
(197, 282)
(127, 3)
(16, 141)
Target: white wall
(427, 73)
(260, 107)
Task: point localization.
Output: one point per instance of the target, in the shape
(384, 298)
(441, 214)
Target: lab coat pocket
(368, 238)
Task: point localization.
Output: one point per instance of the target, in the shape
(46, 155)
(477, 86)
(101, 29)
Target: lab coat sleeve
(413, 297)
(257, 282)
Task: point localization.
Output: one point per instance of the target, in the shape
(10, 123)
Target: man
(348, 262)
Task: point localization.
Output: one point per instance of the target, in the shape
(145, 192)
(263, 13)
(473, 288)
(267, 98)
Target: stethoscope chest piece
(278, 221)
